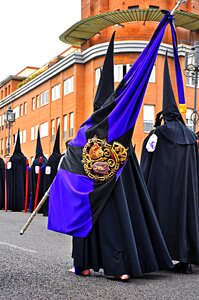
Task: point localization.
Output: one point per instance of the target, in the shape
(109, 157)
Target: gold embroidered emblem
(102, 160)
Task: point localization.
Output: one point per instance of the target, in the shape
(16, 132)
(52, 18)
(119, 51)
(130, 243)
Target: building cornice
(11, 77)
(82, 58)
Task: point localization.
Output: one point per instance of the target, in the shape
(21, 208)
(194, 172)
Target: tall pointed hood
(39, 150)
(56, 148)
(174, 128)
(106, 83)
(170, 109)
(17, 149)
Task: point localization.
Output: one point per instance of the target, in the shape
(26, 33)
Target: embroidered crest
(152, 142)
(101, 160)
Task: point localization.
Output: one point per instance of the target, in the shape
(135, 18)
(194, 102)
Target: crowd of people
(22, 186)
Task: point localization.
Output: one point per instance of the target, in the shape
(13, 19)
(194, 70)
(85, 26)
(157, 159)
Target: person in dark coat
(126, 240)
(37, 176)
(170, 166)
(50, 169)
(16, 178)
(2, 183)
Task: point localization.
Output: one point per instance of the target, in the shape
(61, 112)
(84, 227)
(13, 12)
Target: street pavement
(35, 266)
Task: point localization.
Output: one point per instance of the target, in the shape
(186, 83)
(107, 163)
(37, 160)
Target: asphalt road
(35, 266)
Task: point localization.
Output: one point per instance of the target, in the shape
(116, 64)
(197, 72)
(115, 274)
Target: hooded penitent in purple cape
(99, 195)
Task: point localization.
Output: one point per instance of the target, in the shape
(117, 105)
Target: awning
(83, 30)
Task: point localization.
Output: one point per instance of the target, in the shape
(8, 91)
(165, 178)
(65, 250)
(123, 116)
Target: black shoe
(182, 268)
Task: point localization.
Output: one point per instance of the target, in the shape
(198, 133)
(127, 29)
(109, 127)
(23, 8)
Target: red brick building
(63, 90)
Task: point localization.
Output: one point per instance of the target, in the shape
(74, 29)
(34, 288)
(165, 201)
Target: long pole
(177, 5)
(8, 144)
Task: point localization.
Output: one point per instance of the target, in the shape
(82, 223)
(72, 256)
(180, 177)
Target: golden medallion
(102, 160)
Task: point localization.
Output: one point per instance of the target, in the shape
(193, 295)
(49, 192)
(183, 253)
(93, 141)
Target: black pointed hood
(17, 149)
(56, 148)
(170, 109)
(39, 150)
(106, 84)
(174, 128)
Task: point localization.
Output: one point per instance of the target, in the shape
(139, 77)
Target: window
(13, 139)
(25, 108)
(148, 117)
(2, 145)
(71, 120)
(32, 133)
(6, 140)
(65, 126)
(36, 131)
(21, 110)
(44, 129)
(52, 130)
(69, 85)
(58, 122)
(152, 77)
(33, 103)
(56, 92)
(190, 75)
(24, 136)
(44, 98)
(21, 137)
(133, 7)
(189, 121)
(191, 80)
(97, 75)
(16, 111)
(37, 101)
(2, 121)
(120, 71)
(153, 7)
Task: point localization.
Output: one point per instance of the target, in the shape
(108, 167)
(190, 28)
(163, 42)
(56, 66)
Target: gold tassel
(182, 108)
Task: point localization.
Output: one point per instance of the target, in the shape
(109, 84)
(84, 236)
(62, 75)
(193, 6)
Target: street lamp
(192, 71)
(9, 118)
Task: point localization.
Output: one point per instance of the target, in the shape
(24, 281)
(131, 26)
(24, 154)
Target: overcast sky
(30, 30)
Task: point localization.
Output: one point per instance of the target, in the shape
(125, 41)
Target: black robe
(53, 163)
(34, 179)
(126, 238)
(16, 182)
(171, 174)
(2, 182)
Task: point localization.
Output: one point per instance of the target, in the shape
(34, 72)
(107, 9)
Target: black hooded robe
(171, 174)
(39, 161)
(16, 178)
(2, 183)
(126, 239)
(50, 169)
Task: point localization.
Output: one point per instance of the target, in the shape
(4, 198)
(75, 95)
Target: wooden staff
(35, 211)
(177, 5)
